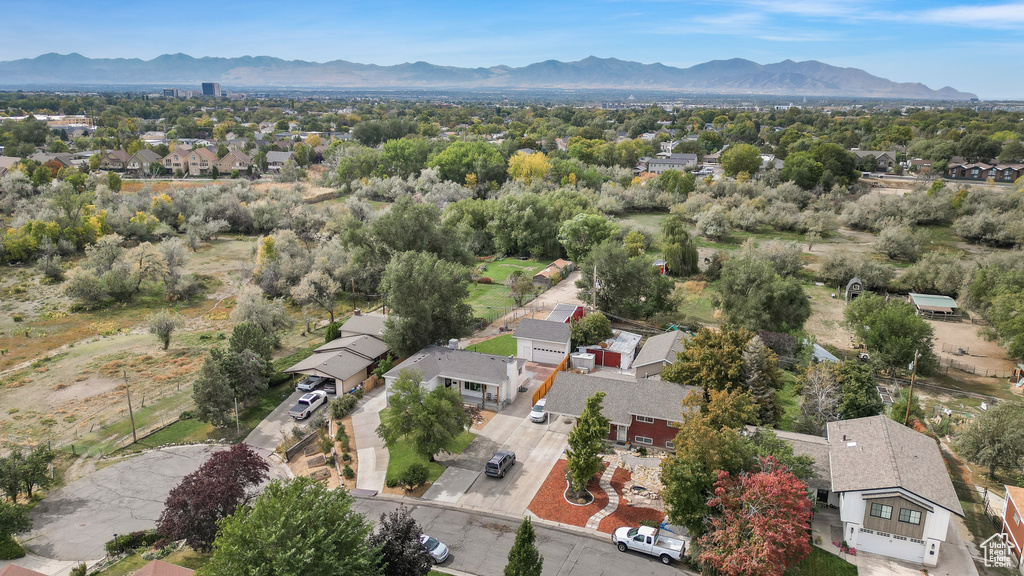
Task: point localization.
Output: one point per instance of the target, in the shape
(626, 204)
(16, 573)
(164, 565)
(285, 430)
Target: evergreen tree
(761, 369)
(586, 443)
(523, 558)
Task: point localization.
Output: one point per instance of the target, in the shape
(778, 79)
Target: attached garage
(890, 545)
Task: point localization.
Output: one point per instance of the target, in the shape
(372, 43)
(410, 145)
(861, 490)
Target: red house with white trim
(1013, 520)
(643, 413)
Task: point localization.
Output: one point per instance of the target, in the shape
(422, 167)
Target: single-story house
(659, 351)
(644, 413)
(139, 163)
(615, 352)
(371, 323)
(890, 483)
(560, 268)
(63, 158)
(1012, 522)
(161, 568)
(486, 380)
(933, 305)
(543, 341)
(566, 313)
(349, 360)
(276, 160)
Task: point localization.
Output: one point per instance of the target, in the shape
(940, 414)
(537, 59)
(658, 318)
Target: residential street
(480, 542)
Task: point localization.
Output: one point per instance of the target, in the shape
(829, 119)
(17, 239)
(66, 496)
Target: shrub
(391, 482)
(186, 415)
(414, 476)
(342, 405)
(17, 318)
(9, 549)
(898, 243)
(349, 473)
(333, 331)
(484, 280)
(331, 460)
(132, 541)
(346, 457)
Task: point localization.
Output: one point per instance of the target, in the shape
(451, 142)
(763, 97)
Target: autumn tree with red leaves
(220, 486)
(761, 528)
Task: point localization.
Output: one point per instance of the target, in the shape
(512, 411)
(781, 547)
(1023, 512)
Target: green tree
(754, 296)
(212, 394)
(635, 243)
(584, 232)
(586, 442)
(41, 176)
(678, 248)
(246, 336)
(892, 331)
(763, 380)
(295, 527)
(741, 158)
(802, 169)
(521, 286)
(708, 441)
(676, 182)
(898, 410)
(427, 298)
(13, 519)
(524, 559)
(712, 360)
(163, 324)
(995, 439)
(858, 392)
(590, 329)
(430, 421)
(113, 181)
(404, 157)
(462, 159)
(629, 287)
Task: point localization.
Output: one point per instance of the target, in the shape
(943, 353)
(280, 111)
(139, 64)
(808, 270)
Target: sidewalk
(373, 455)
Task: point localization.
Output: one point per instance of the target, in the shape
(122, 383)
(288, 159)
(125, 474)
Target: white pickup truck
(307, 404)
(651, 541)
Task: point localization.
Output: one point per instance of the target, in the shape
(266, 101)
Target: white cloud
(1000, 16)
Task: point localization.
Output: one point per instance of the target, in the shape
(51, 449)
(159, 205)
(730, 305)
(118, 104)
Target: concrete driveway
(537, 449)
(268, 434)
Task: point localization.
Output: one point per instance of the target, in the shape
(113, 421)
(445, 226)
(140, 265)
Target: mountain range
(734, 76)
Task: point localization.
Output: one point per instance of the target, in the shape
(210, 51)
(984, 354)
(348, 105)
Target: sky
(971, 46)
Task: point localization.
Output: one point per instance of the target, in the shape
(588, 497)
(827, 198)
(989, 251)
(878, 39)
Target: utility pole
(130, 414)
(910, 398)
(593, 302)
(353, 295)
(238, 429)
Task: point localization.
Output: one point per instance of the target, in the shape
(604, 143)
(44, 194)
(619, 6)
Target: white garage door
(547, 355)
(890, 545)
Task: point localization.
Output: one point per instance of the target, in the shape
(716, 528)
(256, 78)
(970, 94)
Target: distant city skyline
(938, 43)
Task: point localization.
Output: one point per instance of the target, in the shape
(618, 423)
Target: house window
(670, 445)
(975, 172)
(910, 516)
(643, 440)
(473, 386)
(448, 383)
(881, 511)
(1016, 518)
(674, 424)
(645, 419)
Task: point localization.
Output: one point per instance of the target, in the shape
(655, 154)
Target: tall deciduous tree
(741, 158)
(892, 332)
(426, 296)
(995, 439)
(586, 441)
(712, 359)
(295, 527)
(678, 248)
(585, 231)
(629, 287)
(398, 537)
(754, 296)
(213, 492)
(521, 286)
(430, 420)
(163, 324)
(318, 289)
(762, 525)
(590, 329)
(528, 167)
(524, 559)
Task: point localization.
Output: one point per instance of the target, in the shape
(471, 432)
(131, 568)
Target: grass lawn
(790, 402)
(485, 298)
(504, 345)
(401, 455)
(185, 557)
(821, 563)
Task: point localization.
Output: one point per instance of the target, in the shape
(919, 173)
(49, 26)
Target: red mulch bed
(626, 515)
(550, 504)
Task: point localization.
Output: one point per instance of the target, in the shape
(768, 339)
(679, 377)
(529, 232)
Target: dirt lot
(980, 353)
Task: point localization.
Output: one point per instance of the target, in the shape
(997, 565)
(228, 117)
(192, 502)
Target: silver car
(538, 414)
(438, 551)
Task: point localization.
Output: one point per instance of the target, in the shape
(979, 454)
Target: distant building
(211, 89)
(171, 93)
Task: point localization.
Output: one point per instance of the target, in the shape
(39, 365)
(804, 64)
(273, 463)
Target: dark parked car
(500, 463)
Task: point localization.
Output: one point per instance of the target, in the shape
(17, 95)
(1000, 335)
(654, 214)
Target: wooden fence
(542, 391)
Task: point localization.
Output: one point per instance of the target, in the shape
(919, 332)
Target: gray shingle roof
(816, 447)
(363, 344)
(877, 452)
(623, 400)
(372, 324)
(436, 361)
(660, 348)
(338, 364)
(545, 330)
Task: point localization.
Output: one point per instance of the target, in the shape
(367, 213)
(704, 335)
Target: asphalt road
(480, 543)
